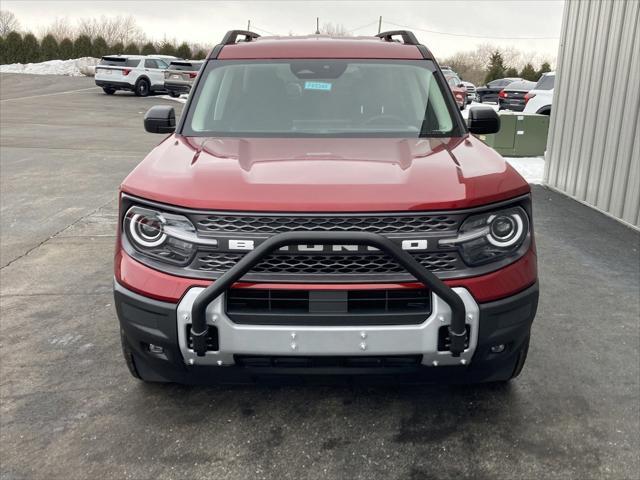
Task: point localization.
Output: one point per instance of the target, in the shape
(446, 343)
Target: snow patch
(181, 99)
(531, 168)
(75, 67)
(465, 112)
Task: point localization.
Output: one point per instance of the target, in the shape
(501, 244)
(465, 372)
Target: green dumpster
(520, 135)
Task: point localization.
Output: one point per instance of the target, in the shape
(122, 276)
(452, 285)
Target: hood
(324, 175)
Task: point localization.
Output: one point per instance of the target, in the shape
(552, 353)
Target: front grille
(294, 361)
(301, 264)
(328, 307)
(329, 266)
(272, 224)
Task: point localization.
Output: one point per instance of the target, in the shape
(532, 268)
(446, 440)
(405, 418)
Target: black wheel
(128, 356)
(142, 87)
(109, 91)
(174, 94)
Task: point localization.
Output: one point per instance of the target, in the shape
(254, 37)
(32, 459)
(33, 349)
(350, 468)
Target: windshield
(319, 97)
(545, 83)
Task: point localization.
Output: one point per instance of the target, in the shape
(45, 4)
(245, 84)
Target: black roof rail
(407, 37)
(231, 36)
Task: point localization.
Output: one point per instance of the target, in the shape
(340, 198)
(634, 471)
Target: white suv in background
(540, 98)
(139, 74)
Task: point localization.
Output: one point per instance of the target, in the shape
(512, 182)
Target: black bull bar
(199, 327)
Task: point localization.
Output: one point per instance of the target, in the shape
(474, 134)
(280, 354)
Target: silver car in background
(180, 75)
(471, 92)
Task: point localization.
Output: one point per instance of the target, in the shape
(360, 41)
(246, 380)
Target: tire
(128, 357)
(174, 94)
(142, 88)
(109, 91)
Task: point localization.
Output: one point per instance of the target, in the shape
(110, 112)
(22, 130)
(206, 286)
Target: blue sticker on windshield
(317, 86)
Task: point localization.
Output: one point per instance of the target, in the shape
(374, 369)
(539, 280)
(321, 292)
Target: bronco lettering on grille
(247, 245)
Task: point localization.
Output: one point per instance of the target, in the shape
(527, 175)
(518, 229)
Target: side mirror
(160, 119)
(483, 120)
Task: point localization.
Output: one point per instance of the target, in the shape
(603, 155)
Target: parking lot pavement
(69, 408)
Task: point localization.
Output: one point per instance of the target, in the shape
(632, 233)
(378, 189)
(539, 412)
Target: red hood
(324, 175)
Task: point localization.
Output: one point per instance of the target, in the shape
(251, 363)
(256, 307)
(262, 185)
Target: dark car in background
(180, 75)
(512, 96)
(489, 92)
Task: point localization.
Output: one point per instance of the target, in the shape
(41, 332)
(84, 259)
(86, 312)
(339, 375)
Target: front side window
(319, 98)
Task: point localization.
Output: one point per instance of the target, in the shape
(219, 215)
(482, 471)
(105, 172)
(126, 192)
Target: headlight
(163, 236)
(491, 236)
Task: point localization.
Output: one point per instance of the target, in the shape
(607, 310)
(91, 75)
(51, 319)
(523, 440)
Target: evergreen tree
(82, 47)
(49, 48)
(148, 49)
(2, 52)
(200, 55)
(167, 48)
(65, 49)
(183, 51)
(117, 48)
(99, 47)
(544, 68)
(496, 67)
(13, 47)
(132, 49)
(529, 73)
(511, 72)
(30, 48)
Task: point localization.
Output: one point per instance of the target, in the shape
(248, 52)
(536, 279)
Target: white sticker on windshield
(325, 86)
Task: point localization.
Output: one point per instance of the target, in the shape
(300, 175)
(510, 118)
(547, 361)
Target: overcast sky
(527, 25)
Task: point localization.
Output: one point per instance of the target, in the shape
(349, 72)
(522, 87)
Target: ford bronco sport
(321, 208)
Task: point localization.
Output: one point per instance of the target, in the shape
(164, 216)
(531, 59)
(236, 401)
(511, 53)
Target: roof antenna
(249, 26)
(317, 25)
(380, 24)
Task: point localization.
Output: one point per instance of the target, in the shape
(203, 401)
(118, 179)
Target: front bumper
(150, 322)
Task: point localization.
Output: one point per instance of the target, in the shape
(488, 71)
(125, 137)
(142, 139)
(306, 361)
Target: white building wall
(593, 151)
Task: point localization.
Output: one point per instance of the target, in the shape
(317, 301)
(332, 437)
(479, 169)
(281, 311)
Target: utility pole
(380, 24)
(317, 25)
(249, 25)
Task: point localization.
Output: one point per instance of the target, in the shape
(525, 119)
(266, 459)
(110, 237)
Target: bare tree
(60, 29)
(472, 65)
(90, 27)
(337, 30)
(112, 29)
(120, 29)
(8, 23)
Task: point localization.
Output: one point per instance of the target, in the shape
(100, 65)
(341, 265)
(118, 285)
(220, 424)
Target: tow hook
(200, 341)
(458, 341)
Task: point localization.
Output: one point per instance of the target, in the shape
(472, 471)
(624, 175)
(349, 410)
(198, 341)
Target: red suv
(321, 208)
